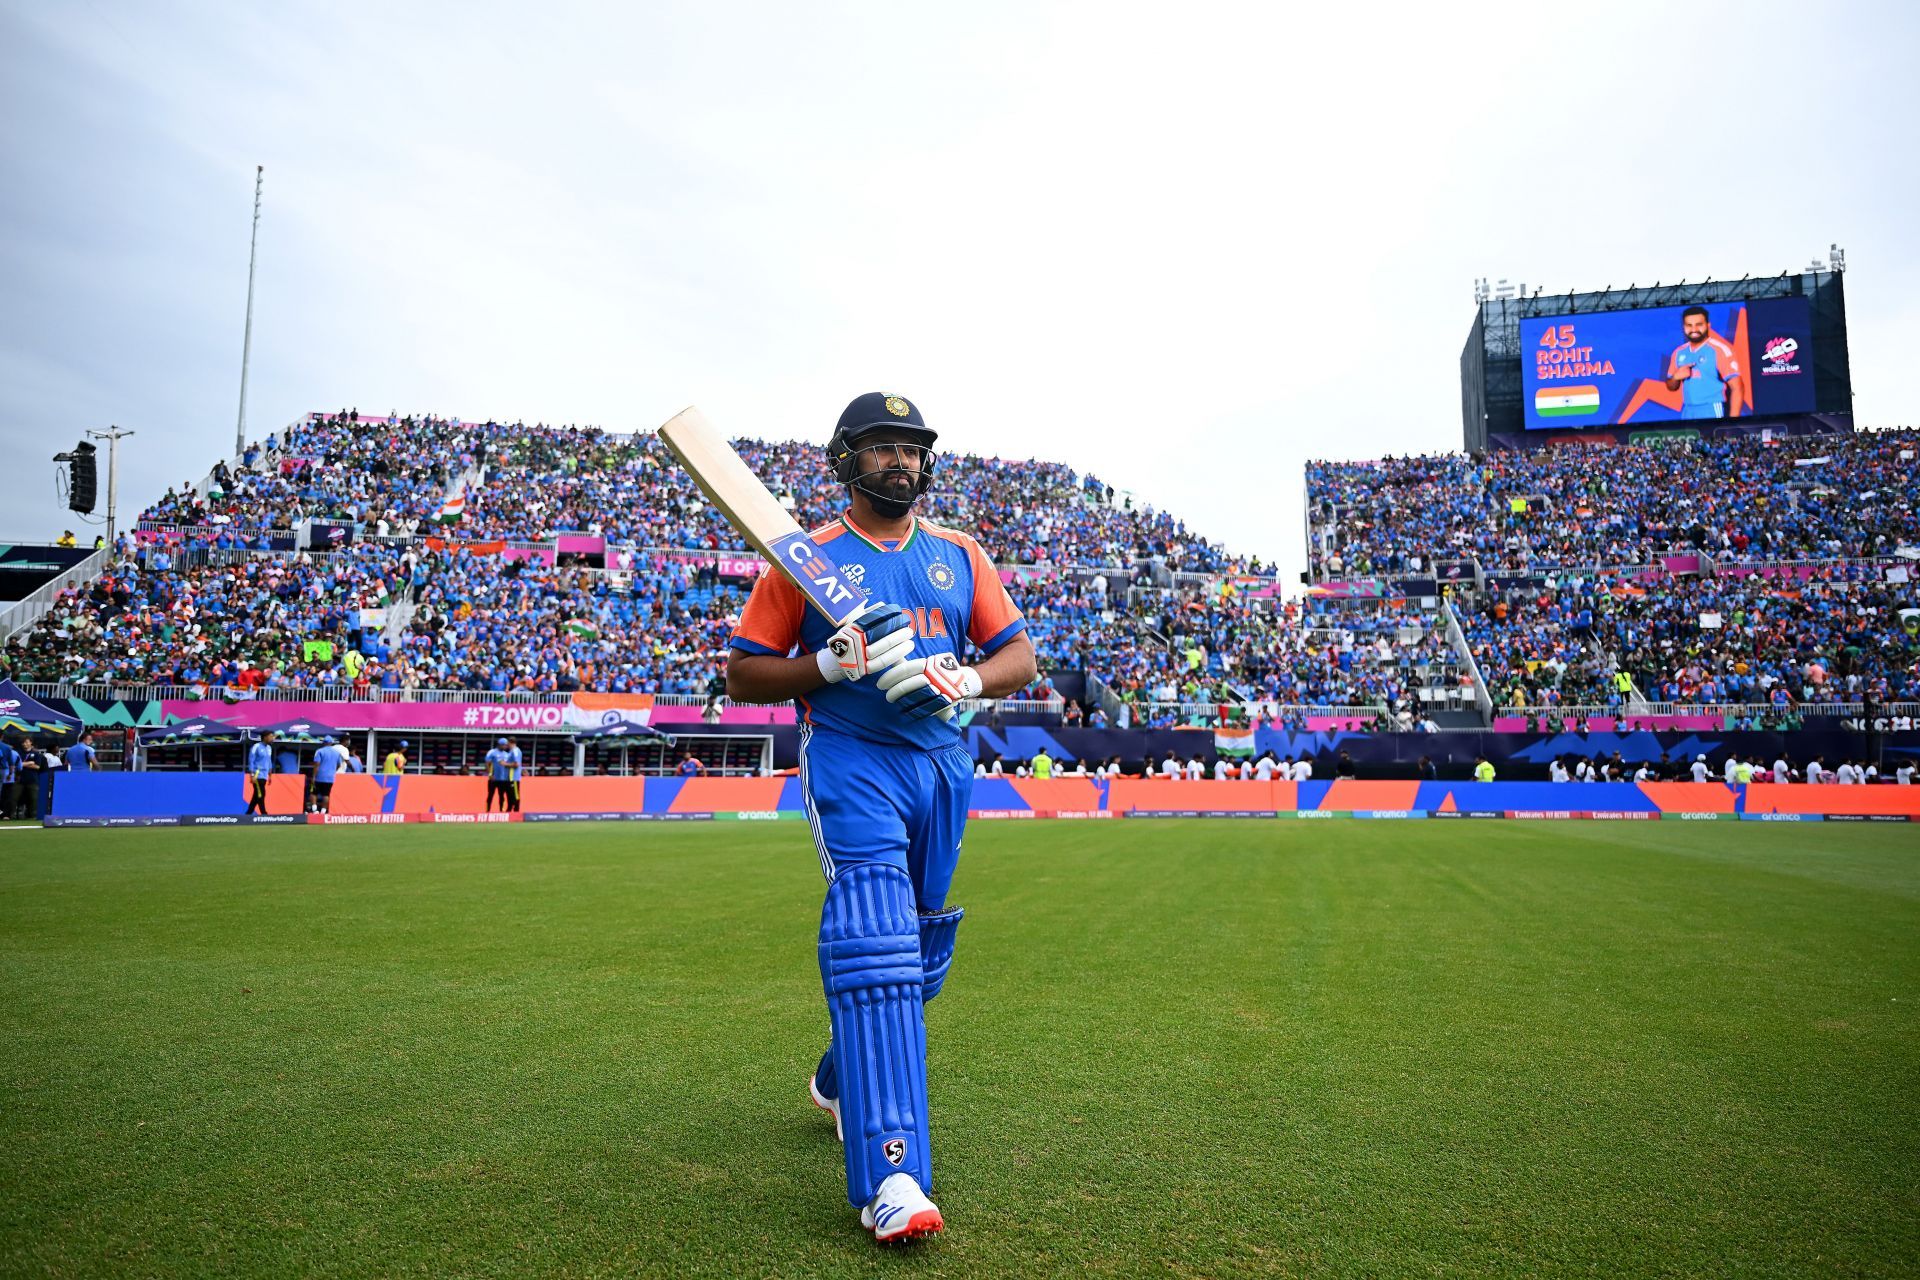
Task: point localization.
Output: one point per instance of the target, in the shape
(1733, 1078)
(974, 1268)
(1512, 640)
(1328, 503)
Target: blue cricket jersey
(326, 762)
(1713, 362)
(939, 576)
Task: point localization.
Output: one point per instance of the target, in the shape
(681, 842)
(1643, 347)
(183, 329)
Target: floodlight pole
(246, 343)
(112, 435)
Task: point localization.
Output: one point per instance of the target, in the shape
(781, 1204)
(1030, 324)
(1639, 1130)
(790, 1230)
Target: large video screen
(1667, 364)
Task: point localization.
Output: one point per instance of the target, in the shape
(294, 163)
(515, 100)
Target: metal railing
(1457, 638)
(1210, 711)
(1710, 565)
(23, 613)
(1101, 696)
(1803, 709)
(1739, 710)
(133, 692)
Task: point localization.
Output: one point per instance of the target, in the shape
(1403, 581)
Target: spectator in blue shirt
(80, 756)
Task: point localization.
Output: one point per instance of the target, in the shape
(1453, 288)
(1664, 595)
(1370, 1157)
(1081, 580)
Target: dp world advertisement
(1668, 364)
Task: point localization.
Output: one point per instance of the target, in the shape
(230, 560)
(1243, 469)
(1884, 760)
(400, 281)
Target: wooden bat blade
(767, 526)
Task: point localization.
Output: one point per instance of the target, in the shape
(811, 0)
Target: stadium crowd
(245, 623)
(392, 474)
(485, 622)
(1838, 635)
(1800, 499)
(389, 477)
(214, 607)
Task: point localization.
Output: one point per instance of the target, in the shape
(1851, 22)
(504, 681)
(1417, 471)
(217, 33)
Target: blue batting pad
(870, 967)
(937, 930)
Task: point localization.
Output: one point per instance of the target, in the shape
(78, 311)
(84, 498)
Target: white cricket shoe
(899, 1210)
(829, 1105)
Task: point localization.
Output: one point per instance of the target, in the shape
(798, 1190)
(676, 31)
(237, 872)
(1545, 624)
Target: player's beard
(892, 492)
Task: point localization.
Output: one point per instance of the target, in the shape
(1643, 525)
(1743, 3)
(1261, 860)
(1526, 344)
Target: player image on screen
(1704, 370)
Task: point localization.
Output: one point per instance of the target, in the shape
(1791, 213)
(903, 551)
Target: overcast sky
(1184, 247)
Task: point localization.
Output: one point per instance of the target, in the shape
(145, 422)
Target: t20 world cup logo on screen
(1778, 354)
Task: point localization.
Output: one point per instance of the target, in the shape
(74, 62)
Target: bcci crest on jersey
(940, 576)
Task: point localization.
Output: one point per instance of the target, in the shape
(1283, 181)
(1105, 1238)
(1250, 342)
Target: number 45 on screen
(1557, 337)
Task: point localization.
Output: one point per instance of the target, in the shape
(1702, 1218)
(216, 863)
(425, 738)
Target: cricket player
(515, 763)
(9, 779)
(259, 772)
(498, 761)
(327, 763)
(886, 782)
(1705, 366)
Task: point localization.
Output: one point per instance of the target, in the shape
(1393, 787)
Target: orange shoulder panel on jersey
(771, 621)
(1730, 363)
(994, 616)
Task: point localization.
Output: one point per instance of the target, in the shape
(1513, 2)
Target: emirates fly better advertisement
(1668, 364)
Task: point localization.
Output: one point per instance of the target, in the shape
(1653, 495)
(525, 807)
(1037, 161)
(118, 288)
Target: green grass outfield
(1167, 1048)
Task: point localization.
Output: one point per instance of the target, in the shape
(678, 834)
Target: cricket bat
(762, 521)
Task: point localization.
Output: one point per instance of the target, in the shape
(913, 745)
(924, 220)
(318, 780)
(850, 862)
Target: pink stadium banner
(728, 564)
(1675, 722)
(1520, 724)
(582, 711)
(1362, 589)
(1797, 572)
(580, 544)
(670, 717)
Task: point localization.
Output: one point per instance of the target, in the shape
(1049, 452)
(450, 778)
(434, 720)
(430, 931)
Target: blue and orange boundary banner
(220, 799)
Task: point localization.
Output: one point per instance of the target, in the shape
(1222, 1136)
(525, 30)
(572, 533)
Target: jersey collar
(874, 542)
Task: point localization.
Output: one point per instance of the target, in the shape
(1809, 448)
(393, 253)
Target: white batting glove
(873, 641)
(923, 687)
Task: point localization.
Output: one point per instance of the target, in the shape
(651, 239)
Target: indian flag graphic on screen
(1566, 402)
